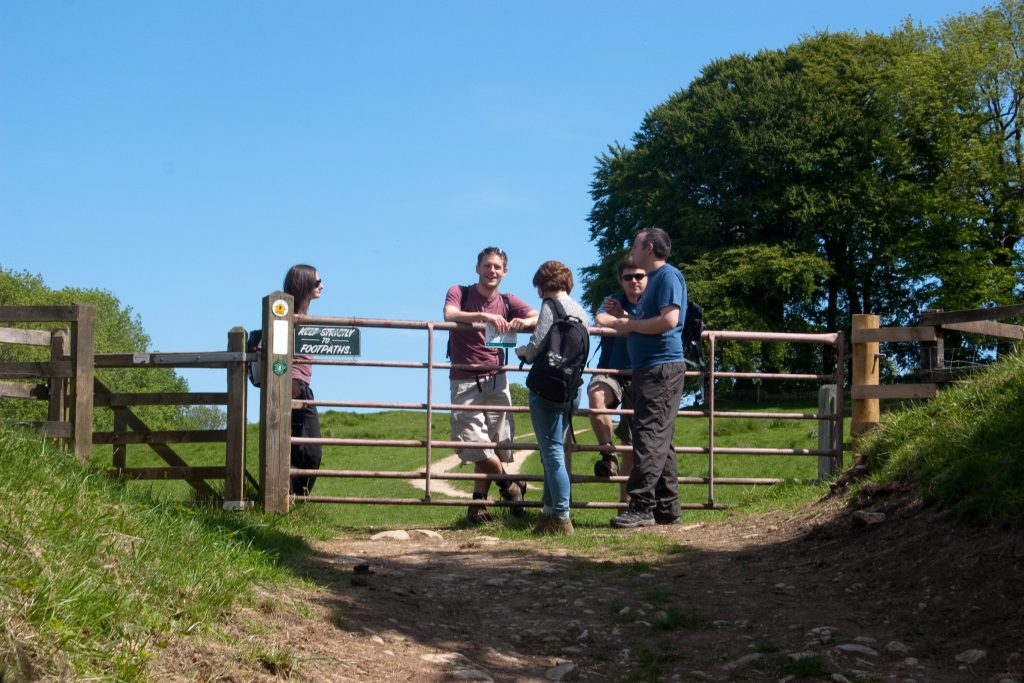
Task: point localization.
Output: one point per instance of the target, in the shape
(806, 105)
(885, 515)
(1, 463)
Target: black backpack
(693, 327)
(557, 371)
(253, 367)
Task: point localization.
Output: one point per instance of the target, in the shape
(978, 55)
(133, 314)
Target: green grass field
(691, 431)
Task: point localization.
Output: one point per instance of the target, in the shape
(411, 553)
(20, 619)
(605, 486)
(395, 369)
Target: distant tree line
(843, 174)
(118, 330)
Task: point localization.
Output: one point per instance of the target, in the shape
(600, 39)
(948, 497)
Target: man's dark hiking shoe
(478, 514)
(666, 520)
(631, 519)
(607, 466)
(515, 493)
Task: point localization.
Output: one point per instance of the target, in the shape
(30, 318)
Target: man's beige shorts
(478, 426)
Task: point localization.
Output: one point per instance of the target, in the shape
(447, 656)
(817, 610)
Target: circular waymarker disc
(280, 367)
(280, 308)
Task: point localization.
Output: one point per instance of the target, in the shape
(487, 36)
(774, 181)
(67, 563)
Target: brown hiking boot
(561, 526)
(543, 525)
(552, 525)
(515, 493)
(478, 514)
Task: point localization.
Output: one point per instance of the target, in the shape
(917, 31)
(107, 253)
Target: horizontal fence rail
(276, 405)
(867, 335)
(130, 429)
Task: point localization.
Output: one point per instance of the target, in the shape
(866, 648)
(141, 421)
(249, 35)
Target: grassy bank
(962, 449)
(94, 576)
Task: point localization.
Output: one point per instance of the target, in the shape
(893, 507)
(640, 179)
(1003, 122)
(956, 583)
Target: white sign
(280, 337)
(496, 339)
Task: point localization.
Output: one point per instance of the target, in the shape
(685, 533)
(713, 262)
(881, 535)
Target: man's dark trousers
(653, 485)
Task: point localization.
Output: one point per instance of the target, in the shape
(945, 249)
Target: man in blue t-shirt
(655, 345)
(610, 390)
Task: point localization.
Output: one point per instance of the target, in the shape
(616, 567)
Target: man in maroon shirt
(485, 383)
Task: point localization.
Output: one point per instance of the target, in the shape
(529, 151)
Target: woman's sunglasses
(634, 276)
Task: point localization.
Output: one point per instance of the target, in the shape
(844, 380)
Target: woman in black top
(304, 284)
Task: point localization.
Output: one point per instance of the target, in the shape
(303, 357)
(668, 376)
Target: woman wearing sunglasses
(304, 284)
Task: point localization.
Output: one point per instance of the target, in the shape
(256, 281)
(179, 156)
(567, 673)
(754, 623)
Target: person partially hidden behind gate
(481, 303)
(608, 391)
(303, 282)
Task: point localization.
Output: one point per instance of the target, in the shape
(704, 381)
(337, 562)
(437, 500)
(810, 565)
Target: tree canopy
(118, 330)
(846, 173)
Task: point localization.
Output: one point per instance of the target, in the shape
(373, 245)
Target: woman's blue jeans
(551, 423)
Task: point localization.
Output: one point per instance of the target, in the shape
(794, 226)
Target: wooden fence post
(827, 465)
(932, 352)
(866, 412)
(234, 449)
(57, 410)
(83, 363)
(276, 401)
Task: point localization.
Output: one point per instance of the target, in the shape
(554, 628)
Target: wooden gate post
(234, 450)
(83, 364)
(57, 410)
(276, 401)
(866, 412)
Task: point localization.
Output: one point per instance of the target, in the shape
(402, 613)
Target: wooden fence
(60, 379)
(867, 336)
(68, 383)
(129, 428)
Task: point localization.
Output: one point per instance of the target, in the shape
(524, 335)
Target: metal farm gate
(277, 357)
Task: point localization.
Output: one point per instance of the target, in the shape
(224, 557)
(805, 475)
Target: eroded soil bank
(806, 595)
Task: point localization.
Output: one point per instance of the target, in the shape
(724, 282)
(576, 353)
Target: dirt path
(772, 597)
(449, 463)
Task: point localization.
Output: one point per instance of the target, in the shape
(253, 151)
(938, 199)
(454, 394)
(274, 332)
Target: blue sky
(183, 154)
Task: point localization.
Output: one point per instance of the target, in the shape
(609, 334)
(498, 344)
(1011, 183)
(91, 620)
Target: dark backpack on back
(693, 327)
(253, 368)
(557, 371)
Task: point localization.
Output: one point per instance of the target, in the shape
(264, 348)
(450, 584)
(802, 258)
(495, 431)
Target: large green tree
(884, 170)
(960, 95)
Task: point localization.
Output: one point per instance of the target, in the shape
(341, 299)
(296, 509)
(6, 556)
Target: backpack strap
(556, 306)
(503, 353)
(504, 297)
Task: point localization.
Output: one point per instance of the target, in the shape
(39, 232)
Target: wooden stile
(162, 399)
(47, 369)
(39, 314)
(988, 328)
(895, 391)
(16, 335)
(22, 390)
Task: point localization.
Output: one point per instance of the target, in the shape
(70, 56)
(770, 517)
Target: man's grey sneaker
(665, 521)
(607, 466)
(631, 519)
